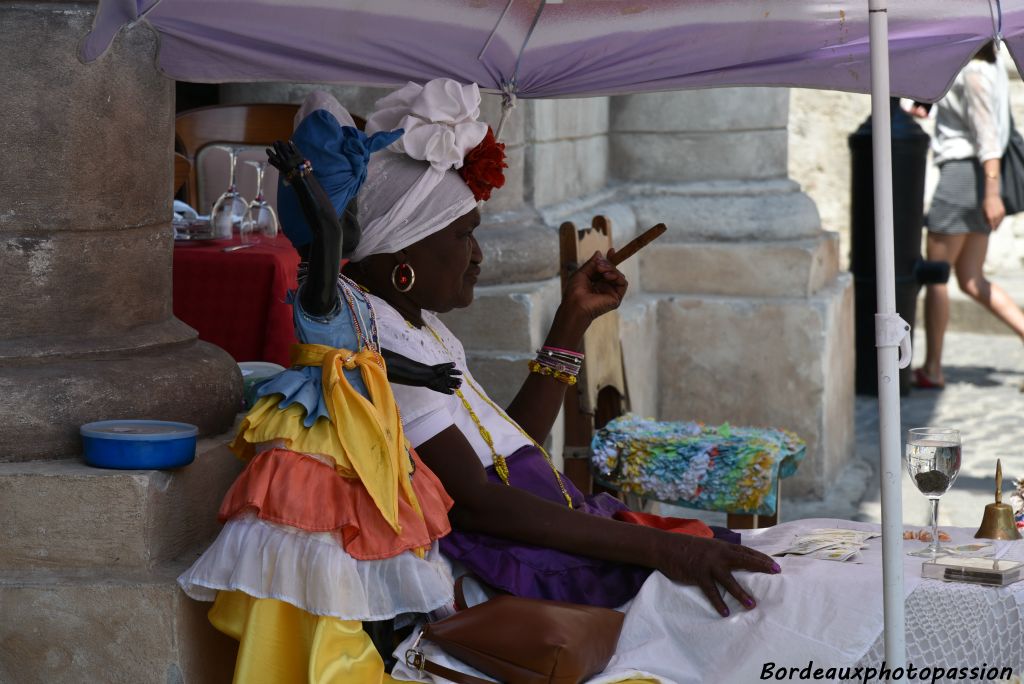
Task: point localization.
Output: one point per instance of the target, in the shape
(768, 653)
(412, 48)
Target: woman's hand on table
(707, 563)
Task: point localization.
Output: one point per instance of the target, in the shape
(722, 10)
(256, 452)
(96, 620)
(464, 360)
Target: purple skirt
(539, 572)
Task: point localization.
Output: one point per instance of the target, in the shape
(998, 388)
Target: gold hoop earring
(403, 277)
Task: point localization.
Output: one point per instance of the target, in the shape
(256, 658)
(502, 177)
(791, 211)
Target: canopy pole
(888, 372)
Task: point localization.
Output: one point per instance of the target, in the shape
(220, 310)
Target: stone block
(506, 318)
(782, 268)
(65, 514)
(517, 248)
(46, 401)
(784, 363)
(711, 109)
(510, 196)
(727, 210)
(97, 627)
(76, 135)
(698, 155)
(638, 322)
(565, 169)
(500, 375)
(74, 290)
(819, 156)
(567, 119)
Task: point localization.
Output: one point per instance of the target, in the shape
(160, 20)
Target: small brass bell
(998, 522)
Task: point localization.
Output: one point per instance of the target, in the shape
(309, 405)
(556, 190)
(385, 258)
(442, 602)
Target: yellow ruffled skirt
(281, 644)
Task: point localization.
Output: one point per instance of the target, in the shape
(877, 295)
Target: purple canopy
(579, 48)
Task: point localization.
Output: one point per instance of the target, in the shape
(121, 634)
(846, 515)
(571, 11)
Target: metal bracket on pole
(996, 10)
(893, 331)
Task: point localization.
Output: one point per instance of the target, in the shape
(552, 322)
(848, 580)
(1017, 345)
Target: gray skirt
(956, 205)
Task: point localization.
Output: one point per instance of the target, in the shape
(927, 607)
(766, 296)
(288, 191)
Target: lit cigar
(637, 243)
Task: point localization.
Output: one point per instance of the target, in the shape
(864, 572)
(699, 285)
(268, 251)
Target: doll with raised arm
(334, 521)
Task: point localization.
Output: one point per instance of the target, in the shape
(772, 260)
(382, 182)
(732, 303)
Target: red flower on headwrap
(482, 167)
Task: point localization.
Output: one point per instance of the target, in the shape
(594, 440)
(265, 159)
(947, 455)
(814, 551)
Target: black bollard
(909, 157)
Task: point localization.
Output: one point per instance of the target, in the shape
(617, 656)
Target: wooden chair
(249, 125)
(600, 393)
(182, 169)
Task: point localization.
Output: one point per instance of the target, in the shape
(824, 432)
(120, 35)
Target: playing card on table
(836, 533)
(803, 546)
(839, 552)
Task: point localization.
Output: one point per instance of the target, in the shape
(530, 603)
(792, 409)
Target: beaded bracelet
(560, 358)
(539, 368)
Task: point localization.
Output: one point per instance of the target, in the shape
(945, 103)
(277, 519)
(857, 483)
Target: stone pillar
(85, 244)
(754, 317)
(89, 556)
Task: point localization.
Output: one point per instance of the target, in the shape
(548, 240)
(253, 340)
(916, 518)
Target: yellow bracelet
(537, 367)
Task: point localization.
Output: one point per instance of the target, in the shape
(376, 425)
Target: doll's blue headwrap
(339, 155)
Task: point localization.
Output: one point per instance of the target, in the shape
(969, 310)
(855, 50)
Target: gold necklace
(500, 465)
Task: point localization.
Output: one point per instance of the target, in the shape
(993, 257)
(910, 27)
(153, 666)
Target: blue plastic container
(139, 444)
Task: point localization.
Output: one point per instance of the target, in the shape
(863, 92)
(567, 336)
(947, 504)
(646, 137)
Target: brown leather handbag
(523, 641)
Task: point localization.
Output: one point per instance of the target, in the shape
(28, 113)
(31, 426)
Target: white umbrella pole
(888, 372)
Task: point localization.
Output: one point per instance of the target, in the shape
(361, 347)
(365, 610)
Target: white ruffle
(313, 572)
(439, 119)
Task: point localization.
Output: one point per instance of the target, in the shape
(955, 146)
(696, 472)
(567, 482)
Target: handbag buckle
(414, 657)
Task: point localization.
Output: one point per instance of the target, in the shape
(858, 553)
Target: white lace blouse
(973, 119)
(425, 412)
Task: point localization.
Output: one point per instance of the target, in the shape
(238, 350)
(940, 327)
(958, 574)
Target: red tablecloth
(236, 300)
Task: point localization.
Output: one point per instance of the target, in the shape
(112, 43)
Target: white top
(425, 412)
(973, 119)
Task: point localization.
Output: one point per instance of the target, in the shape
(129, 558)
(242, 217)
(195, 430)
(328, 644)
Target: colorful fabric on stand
(715, 468)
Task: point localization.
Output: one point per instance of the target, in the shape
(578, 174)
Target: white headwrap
(412, 190)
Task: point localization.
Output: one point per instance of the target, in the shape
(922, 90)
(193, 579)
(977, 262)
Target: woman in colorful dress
(519, 525)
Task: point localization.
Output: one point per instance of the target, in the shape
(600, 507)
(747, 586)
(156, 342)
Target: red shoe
(922, 381)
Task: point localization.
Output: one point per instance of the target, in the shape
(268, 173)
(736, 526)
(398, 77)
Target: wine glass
(260, 218)
(230, 206)
(933, 462)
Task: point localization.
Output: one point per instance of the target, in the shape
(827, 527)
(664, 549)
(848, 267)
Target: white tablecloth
(816, 611)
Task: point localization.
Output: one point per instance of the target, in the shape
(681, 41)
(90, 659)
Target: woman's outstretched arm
(594, 289)
(503, 511)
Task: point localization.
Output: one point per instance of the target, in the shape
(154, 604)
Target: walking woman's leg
(971, 278)
(939, 247)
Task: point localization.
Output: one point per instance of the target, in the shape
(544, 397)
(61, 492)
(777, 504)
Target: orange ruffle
(293, 489)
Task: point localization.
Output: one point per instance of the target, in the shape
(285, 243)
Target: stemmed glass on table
(932, 458)
(230, 207)
(260, 218)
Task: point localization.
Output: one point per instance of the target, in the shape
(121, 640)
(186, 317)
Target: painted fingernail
(748, 602)
(775, 568)
(725, 612)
